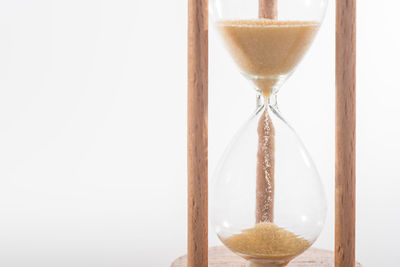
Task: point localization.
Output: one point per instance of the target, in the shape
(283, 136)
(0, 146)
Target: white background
(93, 129)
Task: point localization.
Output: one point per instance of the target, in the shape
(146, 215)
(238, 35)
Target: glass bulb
(270, 183)
(268, 204)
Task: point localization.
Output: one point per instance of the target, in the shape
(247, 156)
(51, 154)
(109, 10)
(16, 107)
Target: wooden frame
(197, 133)
(345, 163)
(344, 255)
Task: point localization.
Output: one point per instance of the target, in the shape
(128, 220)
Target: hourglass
(268, 206)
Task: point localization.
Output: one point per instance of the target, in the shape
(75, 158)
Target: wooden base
(222, 257)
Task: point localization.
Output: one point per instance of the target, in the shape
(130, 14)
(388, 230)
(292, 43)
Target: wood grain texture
(345, 189)
(222, 257)
(265, 184)
(197, 133)
(267, 9)
(266, 144)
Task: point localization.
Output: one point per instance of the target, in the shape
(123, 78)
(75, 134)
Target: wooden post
(197, 133)
(265, 184)
(266, 144)
(345, 193)
(268, 9)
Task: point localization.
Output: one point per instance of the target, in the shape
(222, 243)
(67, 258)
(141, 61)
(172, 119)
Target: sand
(267, 50)
(267, 241)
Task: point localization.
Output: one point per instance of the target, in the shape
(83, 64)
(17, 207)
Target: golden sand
(264, 49)
(267, 241)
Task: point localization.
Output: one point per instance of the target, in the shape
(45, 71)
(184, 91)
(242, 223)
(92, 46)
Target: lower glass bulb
(269, 204)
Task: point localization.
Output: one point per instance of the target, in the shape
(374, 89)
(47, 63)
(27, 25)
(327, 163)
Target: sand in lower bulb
(267, 245)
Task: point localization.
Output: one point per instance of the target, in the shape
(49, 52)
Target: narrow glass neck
(271, 100)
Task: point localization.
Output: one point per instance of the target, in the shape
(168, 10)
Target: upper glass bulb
(268, 38)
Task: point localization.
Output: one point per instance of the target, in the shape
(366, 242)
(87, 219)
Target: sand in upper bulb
(267, 244)
(267, 50)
